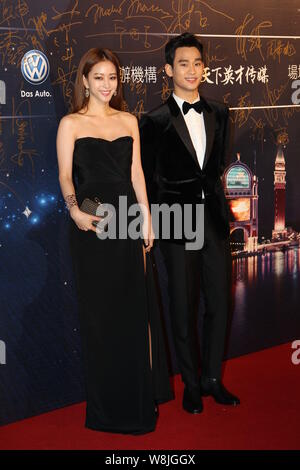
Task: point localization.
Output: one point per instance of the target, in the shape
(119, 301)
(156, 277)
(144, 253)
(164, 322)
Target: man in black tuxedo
(183, 149)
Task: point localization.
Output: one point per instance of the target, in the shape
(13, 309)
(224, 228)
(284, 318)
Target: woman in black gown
(98, 156)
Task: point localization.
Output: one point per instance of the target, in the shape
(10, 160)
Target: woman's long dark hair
(88, 60)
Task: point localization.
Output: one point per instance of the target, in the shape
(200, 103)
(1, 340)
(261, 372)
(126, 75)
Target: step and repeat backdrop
(252, 63)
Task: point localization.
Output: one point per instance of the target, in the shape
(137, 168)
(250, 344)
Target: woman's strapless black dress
(116, 301)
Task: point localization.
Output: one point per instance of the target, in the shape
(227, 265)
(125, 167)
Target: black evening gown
(116, 301)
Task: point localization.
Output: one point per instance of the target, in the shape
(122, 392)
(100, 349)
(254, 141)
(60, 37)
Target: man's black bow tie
(198, 106)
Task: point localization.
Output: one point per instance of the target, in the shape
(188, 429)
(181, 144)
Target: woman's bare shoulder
(69, 120)
(128, 118)
(70, 123)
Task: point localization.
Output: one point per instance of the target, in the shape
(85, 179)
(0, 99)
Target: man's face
(187, 69)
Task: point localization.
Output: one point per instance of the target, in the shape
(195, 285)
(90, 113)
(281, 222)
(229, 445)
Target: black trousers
(209, 270)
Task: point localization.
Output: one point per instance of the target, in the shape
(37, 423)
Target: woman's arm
(148, 141)
(65, 147)
(139, 185)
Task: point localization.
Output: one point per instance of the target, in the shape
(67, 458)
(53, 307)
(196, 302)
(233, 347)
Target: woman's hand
(148, 234)
(83, 220)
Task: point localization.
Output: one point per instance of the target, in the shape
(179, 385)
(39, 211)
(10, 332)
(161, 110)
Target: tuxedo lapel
(181, 128)
(210, 124)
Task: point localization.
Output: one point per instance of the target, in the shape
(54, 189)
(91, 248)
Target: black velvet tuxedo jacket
(170, 164)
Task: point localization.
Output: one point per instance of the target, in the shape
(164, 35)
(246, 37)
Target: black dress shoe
(192, 402)
(214, 388)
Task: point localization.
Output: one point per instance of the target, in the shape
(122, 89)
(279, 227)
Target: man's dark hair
(184, 40)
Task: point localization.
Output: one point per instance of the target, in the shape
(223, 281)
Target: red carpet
(267, 383)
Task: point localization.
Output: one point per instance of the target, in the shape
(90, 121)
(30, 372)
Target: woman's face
(102, 81)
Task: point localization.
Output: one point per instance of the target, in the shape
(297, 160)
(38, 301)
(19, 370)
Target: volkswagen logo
(35, 67)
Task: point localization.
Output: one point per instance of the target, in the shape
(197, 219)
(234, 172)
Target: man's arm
(225, 151)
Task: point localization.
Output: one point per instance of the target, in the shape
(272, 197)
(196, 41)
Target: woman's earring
(87, 92)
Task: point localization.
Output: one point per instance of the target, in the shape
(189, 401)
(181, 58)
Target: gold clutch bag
(91, 206)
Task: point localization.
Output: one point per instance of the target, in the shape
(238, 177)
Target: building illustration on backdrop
(279, 230)
(241, 191)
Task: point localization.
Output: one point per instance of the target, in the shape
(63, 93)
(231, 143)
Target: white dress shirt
(196, 128)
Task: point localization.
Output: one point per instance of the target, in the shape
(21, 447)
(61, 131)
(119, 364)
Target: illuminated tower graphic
(241, 191)
(280, 230)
